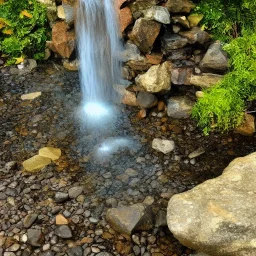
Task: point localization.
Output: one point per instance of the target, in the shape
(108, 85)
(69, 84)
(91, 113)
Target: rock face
(144, 34)
(218, 217)
(63, 41)
(156, 79)
(215, 59)
(179, 107)
(127, 219)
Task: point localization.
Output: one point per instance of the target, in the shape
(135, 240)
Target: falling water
(99, 47)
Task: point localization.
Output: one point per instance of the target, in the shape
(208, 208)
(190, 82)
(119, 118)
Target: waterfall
(99, 48)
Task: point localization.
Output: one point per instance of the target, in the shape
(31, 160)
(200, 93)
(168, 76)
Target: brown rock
(181, 76)
(71, 65)
(161, 106)
(247, 128)
(142, 113)
(154, 58)
(179, 6)
(63, 40)
(139, 65)
(144, 34)
(61, 220)
(196, 35)
(205, 80)
(129, 98)
(125, 18)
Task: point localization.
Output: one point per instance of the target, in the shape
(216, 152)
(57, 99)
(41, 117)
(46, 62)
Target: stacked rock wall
(163, 46)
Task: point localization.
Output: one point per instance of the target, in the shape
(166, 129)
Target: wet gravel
(29, 202)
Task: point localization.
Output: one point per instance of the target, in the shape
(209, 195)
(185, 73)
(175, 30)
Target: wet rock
(131, 52)
(36, 163)
(215, 59)
(63, 41)
(63, 231)
(179, 6)
(31, 96)
(35, 237)
(164, 146)
(129, 98)
(247, 128)
(158, 13)
(210, 218)
(61, 197)
(50, 152)
(144, 34)
(205, 80)
(128, 219)
(172, 42)
(161, 219)
(196, 35)
(198, 152)
(75, 251)
(29, 220)
(179, 107)
(179, 54)
(154, 58)
(66, 12)
(156, 79)
(146, 100)
(75, 191)
(125, 18)
(71, 65)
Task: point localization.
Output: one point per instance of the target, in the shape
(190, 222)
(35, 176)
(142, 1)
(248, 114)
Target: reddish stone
(154, 58)
(63, 40)
(125, 18)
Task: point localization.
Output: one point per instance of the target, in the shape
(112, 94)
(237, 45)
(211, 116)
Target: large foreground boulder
(218, 216)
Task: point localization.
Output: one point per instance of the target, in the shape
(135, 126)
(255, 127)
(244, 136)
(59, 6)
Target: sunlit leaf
(26, 14)
(19, 60)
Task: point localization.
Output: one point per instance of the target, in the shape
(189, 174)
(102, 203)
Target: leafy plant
(23, 29)
(223, 106)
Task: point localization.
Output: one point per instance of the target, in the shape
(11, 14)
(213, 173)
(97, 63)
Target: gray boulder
(215, 59)
(218, 216)
(146, 100)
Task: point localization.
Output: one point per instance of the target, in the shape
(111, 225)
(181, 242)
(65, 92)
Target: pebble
(63, 231)
(61, 197)
(74, 192)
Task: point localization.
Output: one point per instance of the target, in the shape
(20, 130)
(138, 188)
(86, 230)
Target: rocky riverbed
(61, 210)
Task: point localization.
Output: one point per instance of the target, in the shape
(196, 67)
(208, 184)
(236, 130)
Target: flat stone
(31, 96)
(63, 231)
(35, 237)
(50, 152)
(198, 152)
(29, 220)
(164, 146)
(75, 251)
(205, 80)
(217, 217)
(61, 220)
(75, 191)
(36, 163)
(61, 197)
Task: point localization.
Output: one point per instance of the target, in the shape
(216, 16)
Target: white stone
(164, 146)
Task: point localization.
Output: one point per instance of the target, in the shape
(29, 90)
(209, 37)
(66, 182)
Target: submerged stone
(36, 163)
(31, 96)
(50, 152)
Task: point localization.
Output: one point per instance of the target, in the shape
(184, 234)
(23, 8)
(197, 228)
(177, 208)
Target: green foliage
(23, 29)
(222, 106)
(226, 19)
